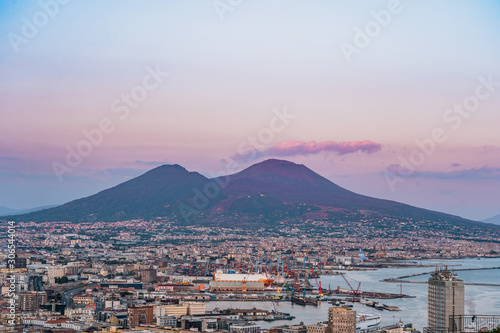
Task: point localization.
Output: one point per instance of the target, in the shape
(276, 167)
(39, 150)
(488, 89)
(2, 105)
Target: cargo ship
(238, 277)
(279, 316)
(304, 300)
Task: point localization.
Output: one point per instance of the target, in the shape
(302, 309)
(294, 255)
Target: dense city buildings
(163, 276)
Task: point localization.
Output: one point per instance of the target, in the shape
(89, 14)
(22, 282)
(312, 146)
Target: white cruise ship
(367, 322)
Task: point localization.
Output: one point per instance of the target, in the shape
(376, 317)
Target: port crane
(354, 292)
(318, 285)
(282, 286)
(244, 286)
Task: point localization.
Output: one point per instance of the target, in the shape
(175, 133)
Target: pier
(399, 279)
(304, 300)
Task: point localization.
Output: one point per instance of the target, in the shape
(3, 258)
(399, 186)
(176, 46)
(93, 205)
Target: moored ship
(367, 321)
(238, 277)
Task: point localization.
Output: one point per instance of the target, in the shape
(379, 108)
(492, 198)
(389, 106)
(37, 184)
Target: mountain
(493, 220)
(8, 211)
(5, 211)
(267, 192)
(285, 189)
(155, 193)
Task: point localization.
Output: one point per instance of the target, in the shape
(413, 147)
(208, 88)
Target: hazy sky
(347, 88)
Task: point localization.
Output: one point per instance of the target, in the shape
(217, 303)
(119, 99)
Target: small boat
(283, 316)
(367, 321)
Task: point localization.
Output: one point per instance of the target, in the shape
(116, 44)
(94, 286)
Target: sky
(392, 99)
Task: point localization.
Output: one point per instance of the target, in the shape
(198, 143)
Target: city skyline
(360, 101)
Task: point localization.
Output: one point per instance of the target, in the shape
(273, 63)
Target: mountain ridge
(6, 211)
(493, 220)
(267, 192)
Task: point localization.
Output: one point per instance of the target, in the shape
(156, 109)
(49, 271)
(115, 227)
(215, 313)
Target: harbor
(413, 308)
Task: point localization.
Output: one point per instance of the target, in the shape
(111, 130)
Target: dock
(304, 300)
(366, 294)
(376, 305)
(399, 279)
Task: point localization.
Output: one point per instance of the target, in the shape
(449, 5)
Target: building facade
(166, 321)
(32, 300)
(245, 328)
(148, 275)
(195, 308)
(140, 315)
(318, 328)
(445, 299)
(173, 309)
(341, 320)
(295, 329)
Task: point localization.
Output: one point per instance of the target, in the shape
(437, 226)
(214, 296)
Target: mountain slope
(155, 193)
(293, 186)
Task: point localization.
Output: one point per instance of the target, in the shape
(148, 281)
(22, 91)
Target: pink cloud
(294, 148)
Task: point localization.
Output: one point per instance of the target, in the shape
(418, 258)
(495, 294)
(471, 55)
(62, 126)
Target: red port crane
(355, 292)
(318, 285)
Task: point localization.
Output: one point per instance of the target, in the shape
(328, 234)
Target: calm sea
(478, 299)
